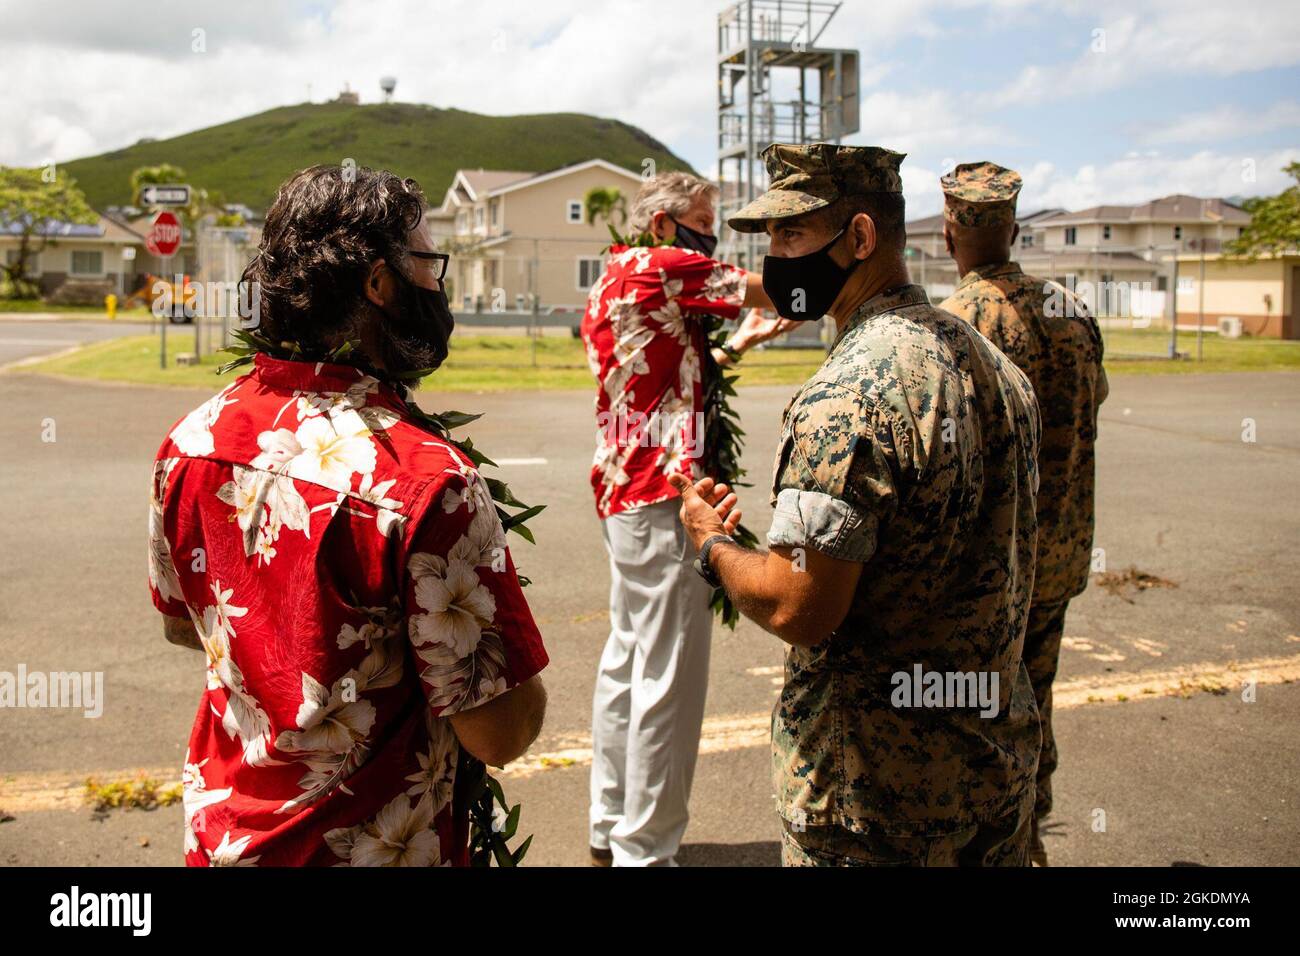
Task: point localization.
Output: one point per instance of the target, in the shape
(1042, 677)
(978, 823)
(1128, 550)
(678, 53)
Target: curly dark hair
(328, 224)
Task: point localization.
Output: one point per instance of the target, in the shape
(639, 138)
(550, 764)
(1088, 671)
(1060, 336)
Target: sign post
(162, 240)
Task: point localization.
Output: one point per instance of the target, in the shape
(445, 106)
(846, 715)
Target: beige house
(1121, 258)
(1236, 296)
(100, 257)
(513, 234)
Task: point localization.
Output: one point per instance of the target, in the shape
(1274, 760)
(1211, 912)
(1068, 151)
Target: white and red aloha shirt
(349, 578)
(645, 345)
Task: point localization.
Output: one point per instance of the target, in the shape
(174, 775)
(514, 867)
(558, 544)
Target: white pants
(649, 700)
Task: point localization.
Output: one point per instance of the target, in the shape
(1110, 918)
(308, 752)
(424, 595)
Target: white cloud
(1225, 123)
(1167, 36)
(1138, 178)
(932, 121)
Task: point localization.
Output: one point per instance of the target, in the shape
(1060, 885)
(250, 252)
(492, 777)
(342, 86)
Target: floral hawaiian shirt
(349, 579)
(645, 347)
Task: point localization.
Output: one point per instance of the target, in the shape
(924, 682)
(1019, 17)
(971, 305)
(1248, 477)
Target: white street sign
(165, 195)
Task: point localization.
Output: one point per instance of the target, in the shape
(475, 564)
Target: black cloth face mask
(804, 287)
(425, 316)
(688, 238)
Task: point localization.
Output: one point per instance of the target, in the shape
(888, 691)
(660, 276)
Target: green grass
(247, 159)
(498, 363)
(1220, 355)
(487, 363)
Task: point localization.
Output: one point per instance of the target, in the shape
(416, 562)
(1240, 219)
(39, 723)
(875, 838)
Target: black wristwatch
(702, 566)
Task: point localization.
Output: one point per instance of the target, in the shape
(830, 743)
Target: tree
(607, 204)
(34, 205)
(1275, 221)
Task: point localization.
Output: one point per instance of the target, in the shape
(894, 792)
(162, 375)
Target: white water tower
(388, 84)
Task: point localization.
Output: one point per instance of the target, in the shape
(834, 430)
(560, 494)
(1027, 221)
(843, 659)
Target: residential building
(1121, 258)
(1230, 294)
(516, 233)
(102, 255)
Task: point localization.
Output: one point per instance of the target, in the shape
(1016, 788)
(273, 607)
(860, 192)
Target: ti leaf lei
(488, 838)
(723, 436)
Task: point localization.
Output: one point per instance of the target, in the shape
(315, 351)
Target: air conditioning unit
(1229, 327)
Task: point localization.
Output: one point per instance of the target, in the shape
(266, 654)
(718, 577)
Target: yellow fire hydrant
(110, 305)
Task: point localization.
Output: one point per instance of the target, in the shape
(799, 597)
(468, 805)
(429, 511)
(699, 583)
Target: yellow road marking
(29, 792)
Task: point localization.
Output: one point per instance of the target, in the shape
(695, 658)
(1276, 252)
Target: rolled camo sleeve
(815, 520)
(834, 484)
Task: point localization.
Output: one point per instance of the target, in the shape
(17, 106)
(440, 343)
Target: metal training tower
(775, 85)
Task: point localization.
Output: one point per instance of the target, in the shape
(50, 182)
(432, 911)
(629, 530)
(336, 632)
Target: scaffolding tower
(775, 85)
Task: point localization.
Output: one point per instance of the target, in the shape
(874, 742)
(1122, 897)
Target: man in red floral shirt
(342, 566)
(647, 344)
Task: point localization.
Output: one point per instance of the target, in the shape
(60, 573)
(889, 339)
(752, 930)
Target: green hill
(247, 159)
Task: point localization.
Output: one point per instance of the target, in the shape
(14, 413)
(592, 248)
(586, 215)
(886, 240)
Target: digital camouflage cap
(980, 194)
(809, 177)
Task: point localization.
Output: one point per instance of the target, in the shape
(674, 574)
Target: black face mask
(688, 238)
(425, 322)
(804, 287)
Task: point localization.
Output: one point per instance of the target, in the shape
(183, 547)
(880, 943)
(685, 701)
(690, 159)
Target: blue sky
(1199, 96)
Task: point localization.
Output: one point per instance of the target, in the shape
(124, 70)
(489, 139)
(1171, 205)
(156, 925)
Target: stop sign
(164, 236)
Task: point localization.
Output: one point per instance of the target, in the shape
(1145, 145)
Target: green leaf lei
(723, 436)
(488, 842)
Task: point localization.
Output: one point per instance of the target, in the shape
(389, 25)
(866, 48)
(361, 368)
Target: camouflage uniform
(1049, 334)
(912, 450)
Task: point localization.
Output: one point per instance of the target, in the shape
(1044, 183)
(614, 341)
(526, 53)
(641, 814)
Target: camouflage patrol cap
(811, 177)
(980, 194)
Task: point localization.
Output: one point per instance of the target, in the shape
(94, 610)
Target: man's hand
(757, 328)
(707, 508)
(180, 631)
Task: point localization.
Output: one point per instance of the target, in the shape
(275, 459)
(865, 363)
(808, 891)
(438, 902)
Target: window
(87, 263)
(1186, 284)
(574, 212)
(1105, 232)
(1178, 232)
(1026, 240)
(1071, 234)
(495, 206)
(589, 271)
(478, 217)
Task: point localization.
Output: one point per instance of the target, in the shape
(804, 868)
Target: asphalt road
(1201, 777)
(27, 338)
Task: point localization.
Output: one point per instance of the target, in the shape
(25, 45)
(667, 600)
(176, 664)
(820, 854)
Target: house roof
(480, 182)
(1176, 208)
(483, 183)
(533, 180)
(934, 224)
(1078, 260)
(104, 230)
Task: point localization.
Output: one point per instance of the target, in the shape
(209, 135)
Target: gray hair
(674, 193)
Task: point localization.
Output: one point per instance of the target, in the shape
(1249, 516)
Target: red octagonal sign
(164, 236)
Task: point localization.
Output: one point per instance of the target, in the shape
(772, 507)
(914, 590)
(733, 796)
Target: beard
(411, 339)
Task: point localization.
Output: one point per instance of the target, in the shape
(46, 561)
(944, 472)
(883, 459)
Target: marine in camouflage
(1048, 333)
(913, 451)
(805, 178)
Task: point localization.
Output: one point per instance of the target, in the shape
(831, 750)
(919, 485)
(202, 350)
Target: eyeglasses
(439, 260)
